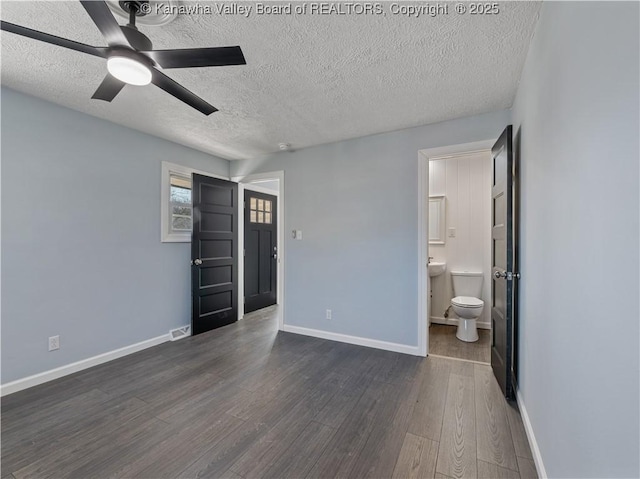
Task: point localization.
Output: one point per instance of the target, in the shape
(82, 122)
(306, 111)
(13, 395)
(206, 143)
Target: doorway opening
(260, 249)
(261, 232)
(455, 247)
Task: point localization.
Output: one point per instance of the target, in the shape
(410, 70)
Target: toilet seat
(467, 302)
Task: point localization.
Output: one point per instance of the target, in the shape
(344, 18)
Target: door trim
(259, 189)
(244, 182)
(424, 281)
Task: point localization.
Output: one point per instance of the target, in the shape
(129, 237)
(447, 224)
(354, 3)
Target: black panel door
(214, 253)
(261, 250)
(503, 300)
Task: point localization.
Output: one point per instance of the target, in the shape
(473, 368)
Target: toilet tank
(467, 283)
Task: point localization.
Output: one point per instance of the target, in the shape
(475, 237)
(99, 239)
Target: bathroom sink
(436, 268)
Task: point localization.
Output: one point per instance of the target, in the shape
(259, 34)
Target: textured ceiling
(309, 79)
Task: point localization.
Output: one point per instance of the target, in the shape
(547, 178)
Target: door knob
(197, 262)
(508, 275)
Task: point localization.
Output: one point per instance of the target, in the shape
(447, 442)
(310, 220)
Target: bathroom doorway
(458, 201)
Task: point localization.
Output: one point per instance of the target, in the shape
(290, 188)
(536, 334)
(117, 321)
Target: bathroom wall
(466, 183)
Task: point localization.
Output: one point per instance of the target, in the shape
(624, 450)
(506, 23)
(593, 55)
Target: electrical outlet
(54, 343)
(328, 314)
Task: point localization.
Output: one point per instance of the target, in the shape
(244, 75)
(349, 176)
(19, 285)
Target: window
(175, 210)
(180, 203)
(259, 210)
(176, 213)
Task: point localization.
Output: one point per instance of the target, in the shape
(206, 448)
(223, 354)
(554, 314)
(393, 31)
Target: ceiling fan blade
(54, 40)
(108, 89)
(197, 57)
(105, 21)
(181, 93)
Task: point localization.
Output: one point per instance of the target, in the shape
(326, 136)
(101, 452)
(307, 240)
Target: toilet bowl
(467, 286)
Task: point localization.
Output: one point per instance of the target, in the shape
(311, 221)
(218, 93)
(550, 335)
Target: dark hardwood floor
(443, 342)
(248, 401)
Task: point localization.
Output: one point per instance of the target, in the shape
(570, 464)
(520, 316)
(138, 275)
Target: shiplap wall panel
(466, 183)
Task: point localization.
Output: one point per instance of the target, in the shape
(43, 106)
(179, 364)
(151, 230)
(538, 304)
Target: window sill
(174, 238)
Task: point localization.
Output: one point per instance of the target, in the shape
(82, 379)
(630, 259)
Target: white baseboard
(40, 378)
(454, 322)
(537, 457)
(344, 338)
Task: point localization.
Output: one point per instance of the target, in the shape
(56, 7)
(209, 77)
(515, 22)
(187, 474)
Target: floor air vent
(180, 333)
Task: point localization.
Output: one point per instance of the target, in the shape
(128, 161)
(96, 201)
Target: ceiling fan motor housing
(139, 7)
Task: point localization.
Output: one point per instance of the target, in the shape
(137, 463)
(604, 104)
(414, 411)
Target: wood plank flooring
(443, 342)
(246, 401)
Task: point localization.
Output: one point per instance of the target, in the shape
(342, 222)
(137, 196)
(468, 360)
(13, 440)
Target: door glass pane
(260, 217)
(267, 218)
(267, 205)
(260, 205)
(252, 203)
(253, 217)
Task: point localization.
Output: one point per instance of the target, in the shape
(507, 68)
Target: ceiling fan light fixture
(129, 70)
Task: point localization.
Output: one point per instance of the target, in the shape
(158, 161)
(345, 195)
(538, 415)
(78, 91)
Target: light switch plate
(298, 234)
(452, 232)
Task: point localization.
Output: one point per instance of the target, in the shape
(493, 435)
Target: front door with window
(261, 250)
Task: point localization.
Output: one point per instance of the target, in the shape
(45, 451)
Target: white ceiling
(308, 79)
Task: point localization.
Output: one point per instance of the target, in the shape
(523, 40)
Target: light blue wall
(81, 250)
(356, 202)
(577, 113)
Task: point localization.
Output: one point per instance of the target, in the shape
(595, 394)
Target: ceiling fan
(130, 55)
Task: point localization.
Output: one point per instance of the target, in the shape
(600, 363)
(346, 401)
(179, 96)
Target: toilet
(467, 289)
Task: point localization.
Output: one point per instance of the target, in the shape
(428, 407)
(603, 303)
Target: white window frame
(168, 169)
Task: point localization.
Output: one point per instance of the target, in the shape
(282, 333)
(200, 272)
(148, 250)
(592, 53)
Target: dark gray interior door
(503, 248)
(214, 253)
(261, 250)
